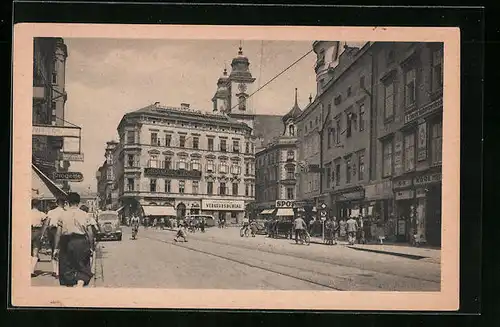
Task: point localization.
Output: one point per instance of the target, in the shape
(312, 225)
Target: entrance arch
(181, 210)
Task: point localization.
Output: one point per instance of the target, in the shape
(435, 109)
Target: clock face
(242, 87)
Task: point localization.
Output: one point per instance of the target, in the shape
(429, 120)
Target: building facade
(49, 98)
(107, 186)
(179, 157)
(276, 166)
(51, 132)
(409, 100)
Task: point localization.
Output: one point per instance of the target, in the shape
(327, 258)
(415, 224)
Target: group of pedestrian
(70, 232)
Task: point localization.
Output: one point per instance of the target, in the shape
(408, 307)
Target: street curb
(398, 254)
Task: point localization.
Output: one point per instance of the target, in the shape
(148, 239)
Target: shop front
(348, 202)
(233, 211)
(378, 211)
(308, 208)
(418, 206)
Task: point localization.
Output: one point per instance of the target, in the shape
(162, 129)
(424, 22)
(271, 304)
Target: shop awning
(158, 211)
(267, 211)
(284, 212)
(42, 187)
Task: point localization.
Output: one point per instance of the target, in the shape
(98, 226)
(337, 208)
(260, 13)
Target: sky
(106, 78)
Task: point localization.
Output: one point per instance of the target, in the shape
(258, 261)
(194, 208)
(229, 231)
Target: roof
(267, 127)
(156, 109)
(295, 111)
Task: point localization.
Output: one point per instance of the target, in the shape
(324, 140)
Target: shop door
(433, 226)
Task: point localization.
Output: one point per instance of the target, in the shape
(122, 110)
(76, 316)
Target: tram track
(332, 281)
(318, 260)
(307, 280)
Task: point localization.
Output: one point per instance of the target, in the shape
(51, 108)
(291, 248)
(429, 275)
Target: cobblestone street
(221, 259)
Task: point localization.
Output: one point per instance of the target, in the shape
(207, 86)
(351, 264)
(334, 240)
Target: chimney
(184, 105)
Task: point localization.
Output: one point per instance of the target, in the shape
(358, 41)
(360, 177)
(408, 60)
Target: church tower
(289, 119)
(240, 88)
(221, 98)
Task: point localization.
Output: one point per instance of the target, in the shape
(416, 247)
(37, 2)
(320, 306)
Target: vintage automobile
(109, 226)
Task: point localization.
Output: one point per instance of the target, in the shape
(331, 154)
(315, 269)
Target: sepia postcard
(236, 167)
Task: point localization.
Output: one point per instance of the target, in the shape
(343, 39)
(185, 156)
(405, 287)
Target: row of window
(411, 81)
(354, 166)
(167, 141)
(397, 159)
(271, 174)
(193, 164)
(273, 158)
(273, 193)
(222, 189)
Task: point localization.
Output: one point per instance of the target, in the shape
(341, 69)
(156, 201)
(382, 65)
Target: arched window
(242, 102)
(290, 155)
(291, 130)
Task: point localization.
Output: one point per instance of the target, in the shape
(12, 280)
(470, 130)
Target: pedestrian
(38, 224)
(74, 240)
(53, 217)
(361, 233)
(335, 230)
(202, 225)
(181, 232)
(329, 231)
(299, 225)
(253, 227)
(352, 227)
(342, 228)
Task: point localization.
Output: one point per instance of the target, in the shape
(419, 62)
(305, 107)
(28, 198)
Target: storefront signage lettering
(59, 131)
(434, 106)
(71, 156)
(422, 142)
(426, 179)
(352, 196)
(172, 172)
(404, 195)
(222, 205)
(379, 190)
(402, 183)
(401, 227)
(398, 158)
(68, 176)
(285, 203)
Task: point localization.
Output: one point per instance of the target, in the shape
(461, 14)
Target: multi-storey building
(310, 127)
(379, 147)
(50, 129)
(184, 159)
(409, 101)
(106, 182)
(346, 136)
(276, 166)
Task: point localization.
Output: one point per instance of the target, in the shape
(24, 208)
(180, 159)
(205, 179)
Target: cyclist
(299, 225)
(134, 222)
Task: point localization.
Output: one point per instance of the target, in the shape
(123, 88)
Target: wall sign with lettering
(285, 203)
(426, 179)
(422, 142)
(398, 157)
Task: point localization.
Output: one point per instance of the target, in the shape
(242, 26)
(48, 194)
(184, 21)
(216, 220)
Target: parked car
(109, 226)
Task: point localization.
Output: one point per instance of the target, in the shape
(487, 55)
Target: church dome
(294, 112)
(240, 66)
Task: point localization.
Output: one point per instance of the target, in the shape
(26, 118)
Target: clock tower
(241, 86)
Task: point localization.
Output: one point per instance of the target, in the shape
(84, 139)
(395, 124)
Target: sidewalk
(410, 252)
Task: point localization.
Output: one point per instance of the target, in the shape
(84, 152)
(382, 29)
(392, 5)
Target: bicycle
(304, 237)
(245, 232)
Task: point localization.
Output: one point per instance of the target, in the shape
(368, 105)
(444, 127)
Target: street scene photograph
(237, 164)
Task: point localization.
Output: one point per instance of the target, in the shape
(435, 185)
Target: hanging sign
(398, 158)
(422, 142)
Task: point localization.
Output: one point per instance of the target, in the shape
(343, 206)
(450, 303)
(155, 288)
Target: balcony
(132, 166)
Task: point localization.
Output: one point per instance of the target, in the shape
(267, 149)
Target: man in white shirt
(38, 223)
(74, 241)
(53, 217)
